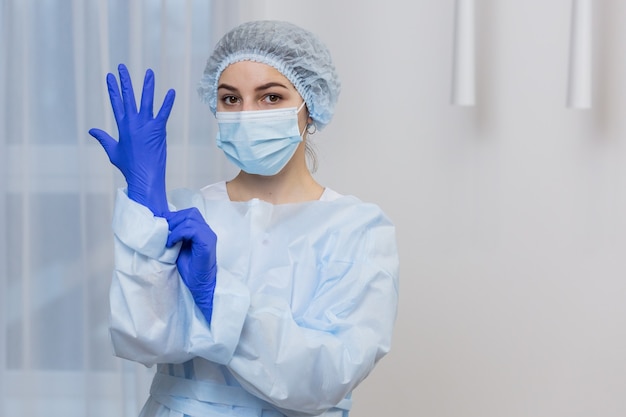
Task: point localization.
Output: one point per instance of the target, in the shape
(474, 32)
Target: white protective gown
(304, 305)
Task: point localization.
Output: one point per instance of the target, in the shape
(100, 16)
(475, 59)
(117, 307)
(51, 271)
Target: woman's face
(249, 86)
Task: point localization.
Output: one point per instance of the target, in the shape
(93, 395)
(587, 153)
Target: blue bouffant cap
(296, 53)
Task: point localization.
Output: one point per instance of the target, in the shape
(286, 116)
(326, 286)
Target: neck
(294, 184)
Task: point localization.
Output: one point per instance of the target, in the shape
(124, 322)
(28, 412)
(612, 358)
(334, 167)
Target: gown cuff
(139, 229)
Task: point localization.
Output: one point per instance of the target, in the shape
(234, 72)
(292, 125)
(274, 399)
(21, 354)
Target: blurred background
(492, 132)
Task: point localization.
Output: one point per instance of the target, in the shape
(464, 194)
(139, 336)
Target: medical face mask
(259, 142)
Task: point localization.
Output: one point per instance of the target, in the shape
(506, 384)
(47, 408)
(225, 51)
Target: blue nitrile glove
(196, 261)
(140, 153)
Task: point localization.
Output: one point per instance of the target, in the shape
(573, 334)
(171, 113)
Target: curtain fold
(464, 51)
(4, 34)
(57, 186)
(579, 82)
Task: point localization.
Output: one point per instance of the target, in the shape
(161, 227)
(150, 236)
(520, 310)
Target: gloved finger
(128, 95)
(171, 218)
(182, 232)
(147, 96)
(108, 143)
(189, 225)
(175, 218)
(186, 225)
(166, 107)
(114, 96)
(202, 238)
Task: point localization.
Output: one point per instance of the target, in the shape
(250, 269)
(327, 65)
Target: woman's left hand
(196, 261)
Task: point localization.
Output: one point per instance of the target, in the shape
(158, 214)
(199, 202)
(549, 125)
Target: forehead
(250, 74)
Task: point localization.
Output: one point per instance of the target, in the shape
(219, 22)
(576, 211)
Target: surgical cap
(296, 53)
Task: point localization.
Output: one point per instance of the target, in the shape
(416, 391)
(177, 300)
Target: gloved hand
(140, 153)
(196, 261)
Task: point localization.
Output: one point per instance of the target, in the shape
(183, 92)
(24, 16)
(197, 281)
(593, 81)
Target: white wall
(511, 215)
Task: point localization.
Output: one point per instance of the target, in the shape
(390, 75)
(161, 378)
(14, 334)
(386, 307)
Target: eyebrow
(259, 88)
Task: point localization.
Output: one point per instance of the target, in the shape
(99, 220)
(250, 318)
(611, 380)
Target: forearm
(154, 318)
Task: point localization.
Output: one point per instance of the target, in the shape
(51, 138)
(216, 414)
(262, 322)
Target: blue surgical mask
(261, 141)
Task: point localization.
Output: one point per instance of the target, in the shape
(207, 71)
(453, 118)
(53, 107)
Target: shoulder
(215, 191)
(361, 229)
(182, 198)
(330, 195)
(350, 209)
(352, 206)
(358, 232)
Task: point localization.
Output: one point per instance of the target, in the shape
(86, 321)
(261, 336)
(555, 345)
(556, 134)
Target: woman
(268, 294)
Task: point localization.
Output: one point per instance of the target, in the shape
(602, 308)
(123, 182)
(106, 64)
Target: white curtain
(57, 186)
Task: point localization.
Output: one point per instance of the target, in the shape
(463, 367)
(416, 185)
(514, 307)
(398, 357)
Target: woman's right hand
(141, 152)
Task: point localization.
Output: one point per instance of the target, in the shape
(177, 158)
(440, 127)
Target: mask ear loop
(308, 126)
(310, 129)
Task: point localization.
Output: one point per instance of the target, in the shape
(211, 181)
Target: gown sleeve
(153, 316)
(307, 362)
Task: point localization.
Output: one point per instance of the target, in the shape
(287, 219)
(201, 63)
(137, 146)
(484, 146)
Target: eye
(272, 98)
(230, 100)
